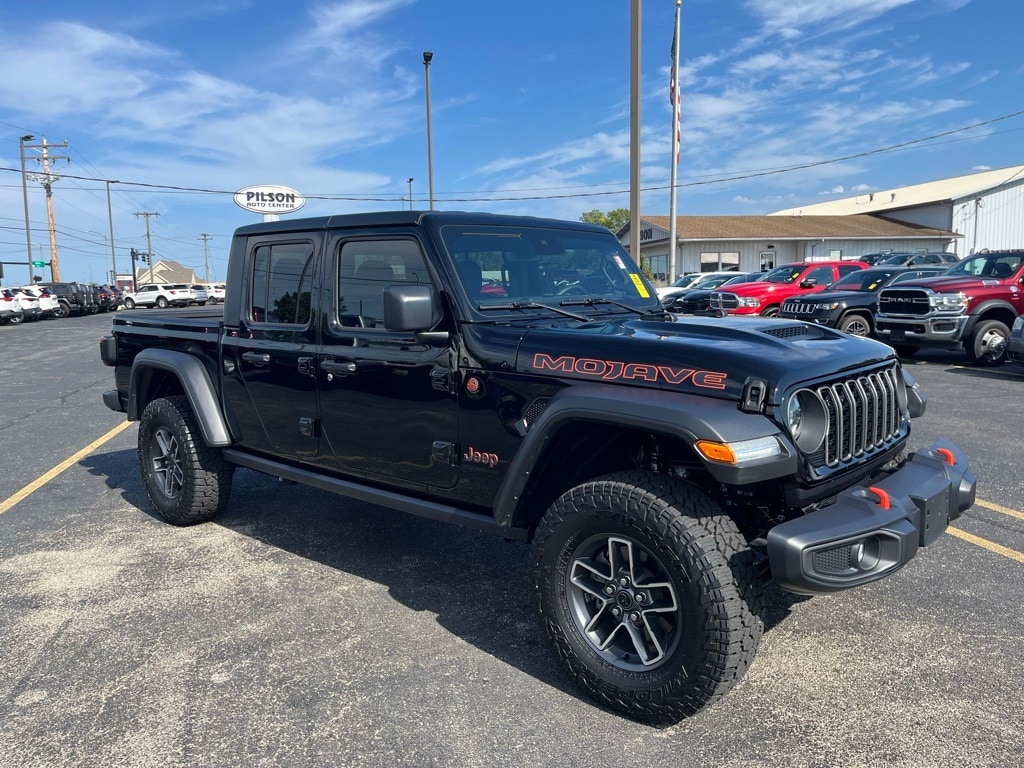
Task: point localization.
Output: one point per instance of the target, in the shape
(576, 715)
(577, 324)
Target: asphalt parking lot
(305, 629)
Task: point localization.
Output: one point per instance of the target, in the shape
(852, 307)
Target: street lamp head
(427, 56)
(27, 137)
(409, 180)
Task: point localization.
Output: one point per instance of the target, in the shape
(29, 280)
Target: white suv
(157, 295)
(47, 301)
(216, 292)
(199, 294)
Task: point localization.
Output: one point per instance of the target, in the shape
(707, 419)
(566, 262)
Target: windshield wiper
(591, 301)
(532, 305)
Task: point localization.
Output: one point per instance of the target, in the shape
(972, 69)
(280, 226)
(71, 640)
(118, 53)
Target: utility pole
(149, 243)
(46, 178)
(206, 255)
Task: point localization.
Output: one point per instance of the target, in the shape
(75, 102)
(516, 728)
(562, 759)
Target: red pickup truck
(971, 306)
(765, 296)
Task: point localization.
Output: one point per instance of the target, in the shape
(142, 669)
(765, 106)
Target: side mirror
(414, 308)
(810, 282)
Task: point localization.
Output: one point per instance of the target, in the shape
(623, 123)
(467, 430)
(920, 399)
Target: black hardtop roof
(410, 218)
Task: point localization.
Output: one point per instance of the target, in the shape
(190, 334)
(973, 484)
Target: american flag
(673, 96)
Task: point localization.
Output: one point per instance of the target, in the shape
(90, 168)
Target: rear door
(269, 382)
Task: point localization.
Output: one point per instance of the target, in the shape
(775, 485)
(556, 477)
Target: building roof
(943, 190)
(793, 228)
(167, 271)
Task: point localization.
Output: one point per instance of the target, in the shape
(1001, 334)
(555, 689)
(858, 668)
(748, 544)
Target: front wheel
(129, 304)
(855, 325)
(770, 312)
(987, 345)
(63, 309)
(649, 594)
(187, 481)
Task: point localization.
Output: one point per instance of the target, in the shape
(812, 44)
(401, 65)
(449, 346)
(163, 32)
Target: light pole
(410, 192)
(94, 232)
(110, 219)
(24, 192)
(427, 56)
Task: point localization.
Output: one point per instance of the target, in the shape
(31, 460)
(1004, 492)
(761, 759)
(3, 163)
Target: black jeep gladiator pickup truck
(519, 376)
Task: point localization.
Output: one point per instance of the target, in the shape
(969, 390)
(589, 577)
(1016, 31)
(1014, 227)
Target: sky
(784, 102)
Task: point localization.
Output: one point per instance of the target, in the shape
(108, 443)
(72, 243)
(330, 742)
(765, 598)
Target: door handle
(338, 367)
(256, 358)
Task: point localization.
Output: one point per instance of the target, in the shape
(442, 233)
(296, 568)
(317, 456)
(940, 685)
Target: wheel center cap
(624, 600)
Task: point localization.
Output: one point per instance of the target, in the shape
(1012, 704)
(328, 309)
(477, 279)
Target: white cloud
(982, 168)
(788, 16)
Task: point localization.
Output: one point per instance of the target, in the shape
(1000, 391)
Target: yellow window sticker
(640, 287)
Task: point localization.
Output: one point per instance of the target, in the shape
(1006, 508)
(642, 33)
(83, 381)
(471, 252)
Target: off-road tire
(187, 481)
(979, 345)
(682, 538)
(904, 350)
(161, 302)
(855, 325)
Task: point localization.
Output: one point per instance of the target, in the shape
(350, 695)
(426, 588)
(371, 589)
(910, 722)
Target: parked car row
(970, 305)
(60, 299)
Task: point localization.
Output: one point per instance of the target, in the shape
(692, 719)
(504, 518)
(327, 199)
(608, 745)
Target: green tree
(614, 219)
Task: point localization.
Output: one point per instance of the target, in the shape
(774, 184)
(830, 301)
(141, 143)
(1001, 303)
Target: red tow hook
(883, 498)
(948, 455)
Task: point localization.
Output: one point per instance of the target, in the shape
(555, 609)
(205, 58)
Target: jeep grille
(864, 417)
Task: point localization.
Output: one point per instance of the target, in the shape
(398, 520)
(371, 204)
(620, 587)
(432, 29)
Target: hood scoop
(804, 330)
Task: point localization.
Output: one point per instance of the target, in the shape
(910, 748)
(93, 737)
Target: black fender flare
(685, 416)
(988, 306)
(196, 382)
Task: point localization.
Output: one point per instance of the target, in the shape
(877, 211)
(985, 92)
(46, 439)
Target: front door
(387, 403)
(269, 379)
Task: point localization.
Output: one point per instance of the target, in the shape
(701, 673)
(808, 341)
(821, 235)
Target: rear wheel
(15, 319)
(649, 594)
(987, 344)
(187, 481)
(161, 302)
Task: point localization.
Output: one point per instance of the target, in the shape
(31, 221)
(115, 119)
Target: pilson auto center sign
(269, 199)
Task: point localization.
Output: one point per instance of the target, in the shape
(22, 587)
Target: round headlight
(806, 420)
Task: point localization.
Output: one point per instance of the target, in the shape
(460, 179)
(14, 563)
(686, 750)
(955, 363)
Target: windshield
(787, 273)
(503, 265)
(868, 280)
(711, 281)
(992, 265)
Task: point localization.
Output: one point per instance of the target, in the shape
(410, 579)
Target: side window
(823, 275)
(281, 281)
(847, 269)
(366, 268)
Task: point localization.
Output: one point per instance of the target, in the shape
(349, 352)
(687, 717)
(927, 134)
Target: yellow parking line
(991, 546)
(45, 478)
(1000, 508)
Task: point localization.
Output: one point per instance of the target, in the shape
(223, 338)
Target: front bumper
(872, 531)
(937, 330)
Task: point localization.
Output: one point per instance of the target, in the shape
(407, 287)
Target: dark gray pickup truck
(519, 376)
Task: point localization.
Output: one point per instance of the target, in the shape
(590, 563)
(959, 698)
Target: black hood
(707, 356)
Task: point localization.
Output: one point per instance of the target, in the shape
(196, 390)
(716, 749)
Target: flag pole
(673, 260)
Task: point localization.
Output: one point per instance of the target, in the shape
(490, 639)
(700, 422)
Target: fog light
(864, 555)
